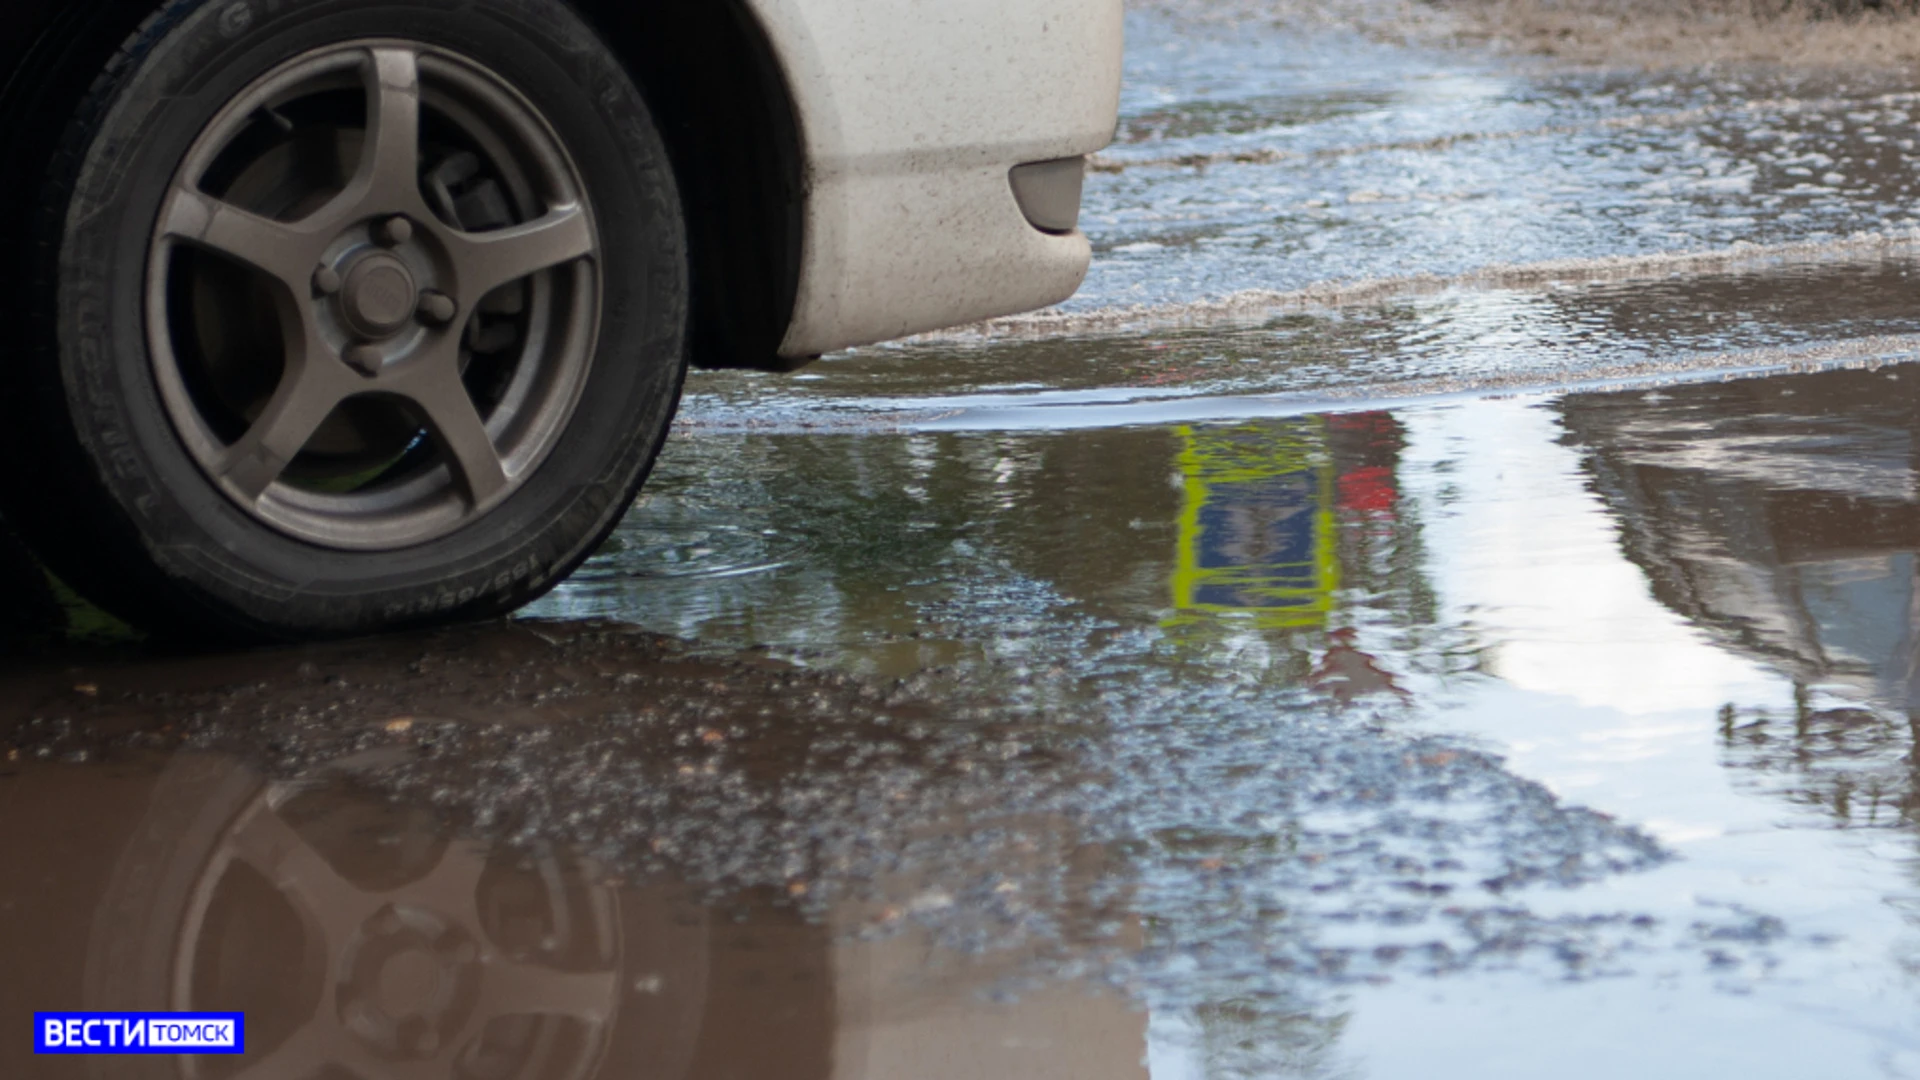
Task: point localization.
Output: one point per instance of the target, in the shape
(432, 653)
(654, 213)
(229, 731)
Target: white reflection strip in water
(1539, 559)
(1610, 699)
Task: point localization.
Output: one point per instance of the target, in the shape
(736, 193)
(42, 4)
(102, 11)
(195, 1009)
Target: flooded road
(1443, 603)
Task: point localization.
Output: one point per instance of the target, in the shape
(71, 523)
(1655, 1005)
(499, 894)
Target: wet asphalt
(1442, 602)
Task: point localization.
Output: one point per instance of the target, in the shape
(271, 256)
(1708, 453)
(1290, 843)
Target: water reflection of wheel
(361, 941)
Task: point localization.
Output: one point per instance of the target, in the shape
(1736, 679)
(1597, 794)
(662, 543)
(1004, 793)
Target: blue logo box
(139, 1033)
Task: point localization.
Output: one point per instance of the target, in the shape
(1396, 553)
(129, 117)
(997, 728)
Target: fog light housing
(1049, 192)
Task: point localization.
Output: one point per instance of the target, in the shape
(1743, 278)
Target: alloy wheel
(373, 295)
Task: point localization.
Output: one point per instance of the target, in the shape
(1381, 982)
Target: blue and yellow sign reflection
(1257, 535)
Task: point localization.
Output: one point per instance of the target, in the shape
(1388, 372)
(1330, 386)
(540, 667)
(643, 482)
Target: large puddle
(1383, 743)
(1489, 648)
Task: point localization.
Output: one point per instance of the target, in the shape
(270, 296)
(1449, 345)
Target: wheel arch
(714, 80)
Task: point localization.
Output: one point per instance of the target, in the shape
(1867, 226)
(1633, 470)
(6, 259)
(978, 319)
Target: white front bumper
(912, 114)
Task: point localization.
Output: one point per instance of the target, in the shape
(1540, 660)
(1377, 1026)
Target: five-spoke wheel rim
(373, 295)
(418, 944)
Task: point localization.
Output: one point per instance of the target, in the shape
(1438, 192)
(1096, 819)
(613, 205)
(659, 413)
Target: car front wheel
(346, 314)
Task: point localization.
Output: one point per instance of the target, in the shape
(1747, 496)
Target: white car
(337, 315)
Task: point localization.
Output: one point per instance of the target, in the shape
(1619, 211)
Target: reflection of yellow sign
(1257, 534)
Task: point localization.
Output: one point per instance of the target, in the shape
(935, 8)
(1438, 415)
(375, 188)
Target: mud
(1834, 34)
(1641, 34)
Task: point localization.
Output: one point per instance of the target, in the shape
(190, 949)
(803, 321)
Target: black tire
(116, 503)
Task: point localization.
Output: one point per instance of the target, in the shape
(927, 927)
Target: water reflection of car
(1782, 518)
(335, 316)
(366, 940)
(499, 919)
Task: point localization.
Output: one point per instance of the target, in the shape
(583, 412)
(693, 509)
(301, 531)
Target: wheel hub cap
(379, 296)
(411, 979)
